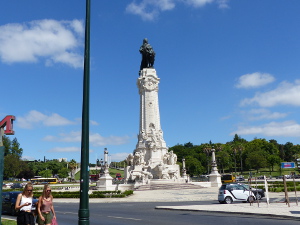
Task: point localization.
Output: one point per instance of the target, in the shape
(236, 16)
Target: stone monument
(105, 181)
(214, 177)
(151, 158)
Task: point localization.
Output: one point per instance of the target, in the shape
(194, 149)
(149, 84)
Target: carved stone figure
(136, 158)
(129, 160)
(148, 55)
(172, 158)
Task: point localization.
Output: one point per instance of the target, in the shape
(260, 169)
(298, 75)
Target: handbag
(54, 222)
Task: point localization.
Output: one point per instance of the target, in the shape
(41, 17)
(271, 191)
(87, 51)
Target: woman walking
(24, 203)
(45, 207)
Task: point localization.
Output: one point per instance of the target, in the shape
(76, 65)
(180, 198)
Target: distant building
(62, 159)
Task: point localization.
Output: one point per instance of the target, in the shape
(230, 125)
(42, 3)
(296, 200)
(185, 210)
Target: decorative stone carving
(129, 160)
(151, 159)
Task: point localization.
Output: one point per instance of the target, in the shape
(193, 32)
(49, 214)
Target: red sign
(8, 123)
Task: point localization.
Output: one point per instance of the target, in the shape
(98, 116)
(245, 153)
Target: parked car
(9, 201)
(118, 176)
(16, 185)
(258, 193)
(227, 178)
(240, 178)
(231, 192)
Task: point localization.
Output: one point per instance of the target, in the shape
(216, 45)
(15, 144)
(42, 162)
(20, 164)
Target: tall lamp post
(83, 212)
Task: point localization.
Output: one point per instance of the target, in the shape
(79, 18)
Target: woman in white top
(23, 203)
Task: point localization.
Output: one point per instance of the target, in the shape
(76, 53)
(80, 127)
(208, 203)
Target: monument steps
(168, 186)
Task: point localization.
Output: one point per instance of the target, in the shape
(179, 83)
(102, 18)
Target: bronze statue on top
(148, 55)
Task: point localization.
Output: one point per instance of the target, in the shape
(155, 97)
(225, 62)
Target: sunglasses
(29, 190)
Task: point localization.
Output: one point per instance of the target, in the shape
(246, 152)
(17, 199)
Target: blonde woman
(23, 203)
(45, 207)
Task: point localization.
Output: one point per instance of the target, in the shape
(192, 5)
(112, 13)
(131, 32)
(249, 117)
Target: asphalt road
(145, 214)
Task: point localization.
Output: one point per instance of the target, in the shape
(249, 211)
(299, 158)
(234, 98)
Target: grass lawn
(112, 173)
(8, 222)
(277, 171)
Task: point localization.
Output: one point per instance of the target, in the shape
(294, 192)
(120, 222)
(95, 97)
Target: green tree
(54, 165)
(256, 160)
(223, 158)
(15, 148)
(288, 152)
(12, 166)
(45, 173)
(72, 165)
(273, 160)
(193, 166)
(6, 144)
(63, 172)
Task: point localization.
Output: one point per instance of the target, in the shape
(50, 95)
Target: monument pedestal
(214, 177)
(105, 183)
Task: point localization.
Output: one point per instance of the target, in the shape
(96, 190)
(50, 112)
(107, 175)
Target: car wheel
(13, 211)
(228, 200)
(251, 199)
(258, 196)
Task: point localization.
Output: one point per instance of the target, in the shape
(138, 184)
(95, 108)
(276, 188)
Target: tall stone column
(214, 177)
(150, 139)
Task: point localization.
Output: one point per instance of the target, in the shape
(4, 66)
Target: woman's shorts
(47, 216)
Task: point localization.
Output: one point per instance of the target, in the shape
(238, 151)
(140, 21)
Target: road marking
(118, 217)
(68, 213)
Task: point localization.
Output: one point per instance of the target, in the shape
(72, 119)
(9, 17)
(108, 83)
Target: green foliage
(8, 222)
(95, 194)
(112, 172)
(273, 160)
(45, 173)
(256, 159)
(12, 166)
(63, 172)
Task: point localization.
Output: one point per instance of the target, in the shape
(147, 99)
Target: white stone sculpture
(151, 159)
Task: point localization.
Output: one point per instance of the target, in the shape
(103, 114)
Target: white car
(229, 193)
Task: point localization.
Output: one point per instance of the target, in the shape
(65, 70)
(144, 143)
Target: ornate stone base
(105, 183)
(215, 179)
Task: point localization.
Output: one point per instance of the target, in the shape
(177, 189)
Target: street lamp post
(83, 212)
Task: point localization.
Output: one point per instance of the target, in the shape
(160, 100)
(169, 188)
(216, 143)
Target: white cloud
(117, 157)
(34, 117)
(286, 129)
(150, 9)
(98, 140)
(254, 80)
(285, 94)
(65, 149)
(223, 4)
(55, 41)
(198, 3)
(93, 122)
(95, 139)
(28, 158)
(262, 114)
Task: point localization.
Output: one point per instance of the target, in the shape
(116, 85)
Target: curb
(226, 212)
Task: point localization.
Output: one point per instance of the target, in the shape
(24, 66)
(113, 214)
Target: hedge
(95, 194)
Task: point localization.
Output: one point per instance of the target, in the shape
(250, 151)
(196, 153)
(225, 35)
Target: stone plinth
(214, 177)
(105, 183)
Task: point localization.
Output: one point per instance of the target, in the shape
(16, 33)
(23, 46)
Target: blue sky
(226, 67)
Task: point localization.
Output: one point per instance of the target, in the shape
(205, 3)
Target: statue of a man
(148, 55)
